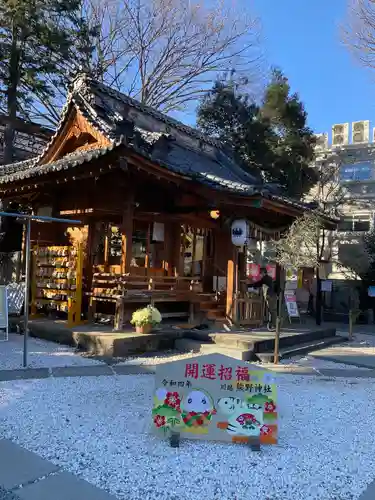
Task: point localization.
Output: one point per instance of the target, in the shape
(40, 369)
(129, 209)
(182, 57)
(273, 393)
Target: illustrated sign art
(291, 304)
(215, 397)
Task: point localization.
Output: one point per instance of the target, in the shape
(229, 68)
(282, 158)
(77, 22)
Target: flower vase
(144, 329)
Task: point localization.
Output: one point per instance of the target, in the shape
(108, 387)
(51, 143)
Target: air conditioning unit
(321, 142)
(360, 132)
(340, 134)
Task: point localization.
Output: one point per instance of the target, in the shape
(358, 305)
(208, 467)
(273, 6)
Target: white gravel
(97, 428)
(319, 364)
(306, 360)
(41, 354)
(158, 358)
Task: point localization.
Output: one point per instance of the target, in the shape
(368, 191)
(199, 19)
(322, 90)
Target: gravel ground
(98, 429)
(42, 354)
(166, 357)
(319, 364)
(157, 358)
(7, 495)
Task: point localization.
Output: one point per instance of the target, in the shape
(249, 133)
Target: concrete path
(344, 356)
(98, 370)
(26, 476)
(360, 351)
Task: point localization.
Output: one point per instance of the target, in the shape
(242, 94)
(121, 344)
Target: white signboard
(291, 304)
(239, 232)
(291, 285)
(216, 398)
(326, 285)
(4, 311)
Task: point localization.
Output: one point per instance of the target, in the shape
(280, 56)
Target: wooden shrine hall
(156, 199)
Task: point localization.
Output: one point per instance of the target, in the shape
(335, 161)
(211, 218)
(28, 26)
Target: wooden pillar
(106, 249)
(194, 251)
(232, 277)
(241, 271)
(168, 249)
(206, 271)
(127, 234)
(89, 261)
(148, 248)
(175, 250)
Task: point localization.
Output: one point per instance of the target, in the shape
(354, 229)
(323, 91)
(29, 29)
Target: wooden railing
(128, 291)
(248, 310)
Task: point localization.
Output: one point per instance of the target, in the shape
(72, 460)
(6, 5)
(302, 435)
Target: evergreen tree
(230, 116)
(40, 41)
(292, 142)
(270, 140)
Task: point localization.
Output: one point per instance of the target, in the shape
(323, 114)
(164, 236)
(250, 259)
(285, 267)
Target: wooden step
(214, 314)
(207, 305)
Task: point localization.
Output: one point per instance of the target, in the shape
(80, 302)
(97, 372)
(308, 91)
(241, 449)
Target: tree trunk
(14, 77)
(318, 305)
(279, 289)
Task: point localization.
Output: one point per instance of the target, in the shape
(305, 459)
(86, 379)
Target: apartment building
(349, 156)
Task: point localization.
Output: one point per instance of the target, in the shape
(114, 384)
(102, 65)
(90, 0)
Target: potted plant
(145, 319)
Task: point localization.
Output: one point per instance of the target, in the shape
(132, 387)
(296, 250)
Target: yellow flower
(146, 316)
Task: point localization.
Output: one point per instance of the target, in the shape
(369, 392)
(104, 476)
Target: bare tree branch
(299, 245)
(166, 53)
(308, 243)
(358, 31)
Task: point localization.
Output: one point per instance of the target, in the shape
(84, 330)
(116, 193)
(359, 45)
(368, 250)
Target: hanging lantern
(240, 232)
(215, 214)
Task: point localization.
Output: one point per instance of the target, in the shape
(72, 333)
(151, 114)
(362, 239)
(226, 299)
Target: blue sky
(302, 38)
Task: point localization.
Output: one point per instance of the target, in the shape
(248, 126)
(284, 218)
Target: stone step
(189, 345)
(265, 341)
(232, 353)
(299, 349)
(232, 341)
(202, 347)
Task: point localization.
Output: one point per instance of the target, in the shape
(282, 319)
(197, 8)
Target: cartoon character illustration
(166, 412)
(244, 418)
(197, 408)
(192, 414)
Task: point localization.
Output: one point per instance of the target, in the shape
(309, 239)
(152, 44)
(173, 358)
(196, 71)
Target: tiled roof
(203, 159)
(28, 169)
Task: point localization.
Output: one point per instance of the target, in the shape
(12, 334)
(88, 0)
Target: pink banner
(271, 270)
(253, 272)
